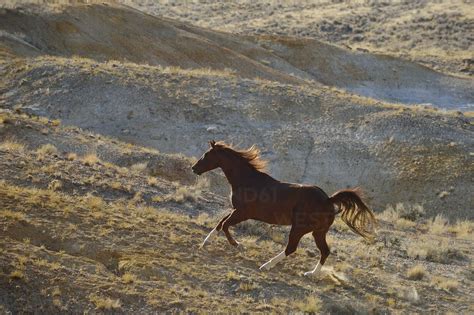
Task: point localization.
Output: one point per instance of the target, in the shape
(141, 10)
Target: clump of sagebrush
(432, 250)
(90, 159)
(445, 283)
(71, 156)
(12, 145)
(417, 272)
(104, 303)
(189, 193)
(402, 211)
(139, 168)
(45, 150)
(438, 225)
(463, 229)
(311, 304)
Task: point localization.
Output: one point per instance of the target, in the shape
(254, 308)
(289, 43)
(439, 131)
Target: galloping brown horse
(256, 195)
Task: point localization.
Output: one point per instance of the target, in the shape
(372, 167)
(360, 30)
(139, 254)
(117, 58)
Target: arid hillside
(314, 135)
(110, 32)
(84, 231)
(105, 107)
(438, 34)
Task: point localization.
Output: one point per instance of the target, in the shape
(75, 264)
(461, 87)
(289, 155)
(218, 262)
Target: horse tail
(355, 213)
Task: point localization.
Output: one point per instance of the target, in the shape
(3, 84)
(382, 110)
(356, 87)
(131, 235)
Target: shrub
(139, 167)
(417, 272)
(90, 159)
(445, 284)
(129, 278)
(438, 225)
(431, 250)
(71, 156)
(46, 149)
(463, 229)
(11, 145)
(311, 304)
(104, 303)
(403, 211)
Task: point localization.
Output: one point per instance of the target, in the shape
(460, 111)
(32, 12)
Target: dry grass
(139, 168)
(55, 185)
(463, 229)
(438, 225)
(152, 181)
(311, 304)
(90, 159)
(17, 275)
(114, 251)
(12, 145)
(433, 250)
(12, 215)
(104, 303)
(71, 156)
(444, 283)
(407, 212)
(417, 272)
(44, 150)
(129, 278)
(189, 193)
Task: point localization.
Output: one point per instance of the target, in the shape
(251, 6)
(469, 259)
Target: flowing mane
(250, 155)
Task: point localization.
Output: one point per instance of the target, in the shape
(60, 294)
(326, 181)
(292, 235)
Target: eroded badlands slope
(110, 31)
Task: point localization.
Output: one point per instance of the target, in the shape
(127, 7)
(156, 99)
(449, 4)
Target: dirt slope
(85, 235)
(320, 136)
(109, 31)
(434, 33)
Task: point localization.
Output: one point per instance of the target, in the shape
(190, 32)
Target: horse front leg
(234, 218)
(215, 230)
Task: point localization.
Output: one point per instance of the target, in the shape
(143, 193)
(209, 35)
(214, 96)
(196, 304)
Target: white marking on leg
(315, 270)
(214, 231)
(272, 262)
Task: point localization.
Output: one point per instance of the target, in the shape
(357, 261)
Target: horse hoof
(308, 274)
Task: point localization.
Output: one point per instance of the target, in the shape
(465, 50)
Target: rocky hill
(437, 34)
(89, 226)
(104, 108)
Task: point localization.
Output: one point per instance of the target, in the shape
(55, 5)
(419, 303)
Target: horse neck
(236, 173)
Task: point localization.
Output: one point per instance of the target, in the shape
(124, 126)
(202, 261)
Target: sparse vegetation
(311, 305)
(188, 193)
(105, 303)
(129, 278)
(139, 167)
(17, 275)
(71, 156)
(431, 250)
(46, 149)
(417, 272)
(401, 213)
(115, 227)
(12, 145)
(444, 283)
(463, 229)
(438, 225)
(90, 159)
(12, 215)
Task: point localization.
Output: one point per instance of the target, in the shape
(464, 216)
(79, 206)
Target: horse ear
(212, 143)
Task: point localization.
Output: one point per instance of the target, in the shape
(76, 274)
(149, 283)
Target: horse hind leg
(320, 239)
(294, 238)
